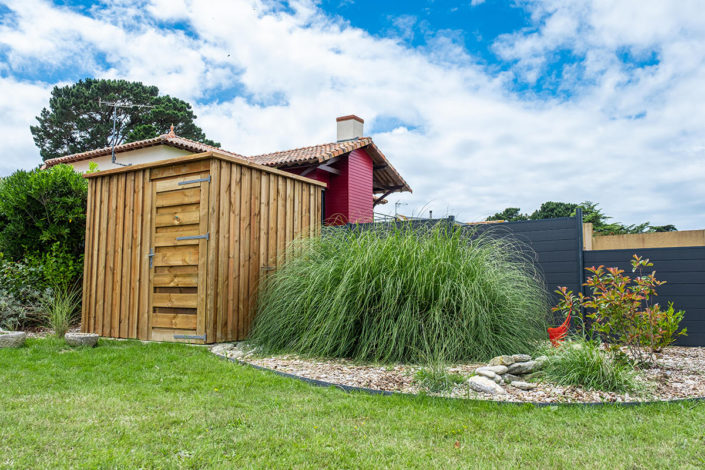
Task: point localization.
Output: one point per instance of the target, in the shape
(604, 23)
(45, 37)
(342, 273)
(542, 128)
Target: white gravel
(679, 373)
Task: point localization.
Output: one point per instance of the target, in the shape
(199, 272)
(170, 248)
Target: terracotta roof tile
(386, 176)
(315, 153)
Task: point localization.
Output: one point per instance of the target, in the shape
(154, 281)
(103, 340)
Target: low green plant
(21, 288)
(402, 295)
(585, 364)
(60, 310)
(435, 378)
(622, 313)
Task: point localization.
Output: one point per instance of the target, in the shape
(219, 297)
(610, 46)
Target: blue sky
(481, 105)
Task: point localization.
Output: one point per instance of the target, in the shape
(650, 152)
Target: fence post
(451, 223)
(581, 263)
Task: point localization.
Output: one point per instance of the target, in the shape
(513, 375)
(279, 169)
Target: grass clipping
(402, 295)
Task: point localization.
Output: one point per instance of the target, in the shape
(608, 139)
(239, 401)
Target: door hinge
(194, 237)
(151, 257)
(203, 337)
(199, 180)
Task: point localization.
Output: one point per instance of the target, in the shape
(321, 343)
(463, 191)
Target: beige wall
(642, 240)
(144, 155)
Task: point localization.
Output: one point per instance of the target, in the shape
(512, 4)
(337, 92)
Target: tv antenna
(116, 105)
(396, 207)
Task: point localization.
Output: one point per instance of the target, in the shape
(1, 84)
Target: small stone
(521, 368)
(521, 357)
(499, 370)
(81, 339)
(501, 361)
(508, 378)
(12, 339)
(486, 373)
(236, 354)
(485, 385)
(222, 349)
(541, 359)
(523, 385)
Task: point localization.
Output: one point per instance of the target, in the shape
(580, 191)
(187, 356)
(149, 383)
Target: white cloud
(628, 137)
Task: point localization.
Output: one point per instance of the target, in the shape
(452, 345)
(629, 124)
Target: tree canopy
(591, 214)
(78, 119)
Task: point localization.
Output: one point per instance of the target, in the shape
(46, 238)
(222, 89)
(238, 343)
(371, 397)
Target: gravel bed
(679, 373)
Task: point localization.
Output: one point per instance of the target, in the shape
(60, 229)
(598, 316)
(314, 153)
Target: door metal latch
(194, 237)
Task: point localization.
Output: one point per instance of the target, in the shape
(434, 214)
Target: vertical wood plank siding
(250, 213)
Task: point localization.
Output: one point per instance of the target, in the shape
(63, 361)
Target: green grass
(403, 296)
(583, 363)
(434, 378)
(129, 405)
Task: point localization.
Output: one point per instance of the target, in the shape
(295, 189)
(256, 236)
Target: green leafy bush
(622, 311)
(400, 295)
(42, 232)
(40, 209)
(584, 364)
(22, 287)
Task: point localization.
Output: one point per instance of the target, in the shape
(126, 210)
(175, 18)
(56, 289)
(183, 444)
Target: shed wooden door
(178, 257)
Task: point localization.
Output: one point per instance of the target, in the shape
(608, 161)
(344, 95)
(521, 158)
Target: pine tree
(76, 122)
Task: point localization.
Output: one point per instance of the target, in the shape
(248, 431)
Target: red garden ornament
(557, 334)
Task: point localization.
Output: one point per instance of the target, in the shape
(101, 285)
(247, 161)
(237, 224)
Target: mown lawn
(127, 404)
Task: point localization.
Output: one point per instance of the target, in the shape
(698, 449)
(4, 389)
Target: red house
(358, 174)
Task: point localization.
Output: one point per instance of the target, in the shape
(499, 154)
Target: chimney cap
(349, 117)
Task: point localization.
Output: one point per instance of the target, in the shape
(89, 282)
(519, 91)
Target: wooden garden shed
(175, 249)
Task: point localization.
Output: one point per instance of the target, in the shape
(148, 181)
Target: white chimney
(349, 127)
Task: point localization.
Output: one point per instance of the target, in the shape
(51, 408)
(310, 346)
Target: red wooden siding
(349, 197)
(360, 187)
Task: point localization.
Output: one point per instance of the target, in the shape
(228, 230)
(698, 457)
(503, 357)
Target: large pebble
(521, 385)
(485, 385)
(501, 361)
(521, 368)
(499, 370)
(486, 373)
(508, 378)
(521, 357)
(222, 349)
(12, 339)
(81, 339)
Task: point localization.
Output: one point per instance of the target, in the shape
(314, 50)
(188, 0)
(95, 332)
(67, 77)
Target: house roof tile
(386, 176)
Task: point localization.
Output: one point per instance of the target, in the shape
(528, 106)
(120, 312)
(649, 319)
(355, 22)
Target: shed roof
(202, 156)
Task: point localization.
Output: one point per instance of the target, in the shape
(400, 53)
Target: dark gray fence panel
(682, 268)
(555, 244)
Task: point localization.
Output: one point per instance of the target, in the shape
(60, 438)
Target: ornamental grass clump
(402, 295)
(585, 364)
